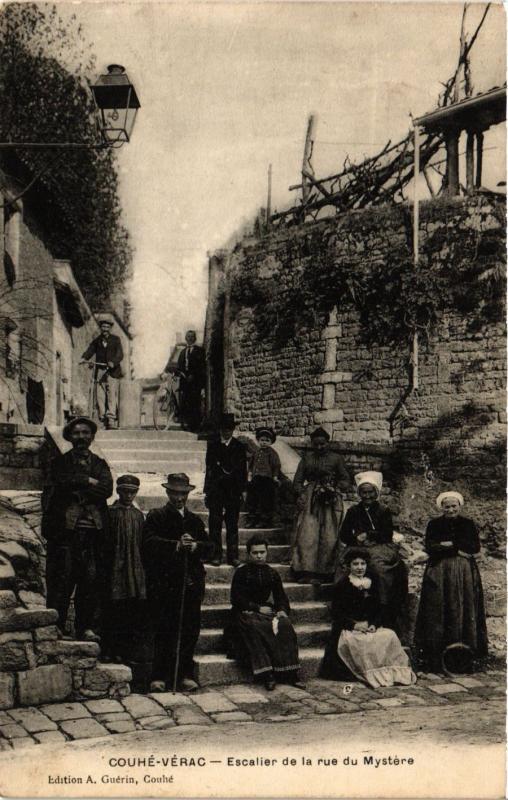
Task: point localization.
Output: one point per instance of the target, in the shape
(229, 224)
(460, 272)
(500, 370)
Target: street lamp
(117, 101)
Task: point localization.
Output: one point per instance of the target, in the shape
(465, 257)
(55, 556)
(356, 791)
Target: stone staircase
(151, 455)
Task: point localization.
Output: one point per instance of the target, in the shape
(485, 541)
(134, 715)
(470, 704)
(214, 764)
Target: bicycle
(166, 407)
(92, 390)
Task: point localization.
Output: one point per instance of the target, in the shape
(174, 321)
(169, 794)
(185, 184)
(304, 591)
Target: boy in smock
(265, 469)
(125, 606)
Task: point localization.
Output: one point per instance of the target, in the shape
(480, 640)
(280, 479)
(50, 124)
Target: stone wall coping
(21, 429)
(302, 443)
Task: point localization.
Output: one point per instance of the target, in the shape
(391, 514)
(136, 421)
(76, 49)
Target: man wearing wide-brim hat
(74, 523)
(225, 482)
(174, 546)
(108, 352)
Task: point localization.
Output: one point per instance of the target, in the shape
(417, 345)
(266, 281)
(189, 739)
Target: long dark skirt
(451, 609)
(266, 651)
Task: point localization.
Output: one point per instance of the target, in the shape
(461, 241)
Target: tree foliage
(46, 68)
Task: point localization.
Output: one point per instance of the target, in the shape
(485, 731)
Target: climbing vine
(456, 272)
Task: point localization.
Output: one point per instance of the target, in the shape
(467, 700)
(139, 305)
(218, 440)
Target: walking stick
(180, 622)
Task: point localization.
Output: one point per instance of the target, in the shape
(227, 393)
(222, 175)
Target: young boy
(262, 490)
(124, 617)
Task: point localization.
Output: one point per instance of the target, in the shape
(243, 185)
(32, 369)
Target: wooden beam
(452, 163)
(470, 162)
(479, 159)
(306, 162)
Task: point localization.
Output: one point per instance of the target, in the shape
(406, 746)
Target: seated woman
(451, 607)
(320, 478)
(368, 524)
(260, 632)
(357, 644)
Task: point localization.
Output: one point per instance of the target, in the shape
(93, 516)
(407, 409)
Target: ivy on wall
(460, 271)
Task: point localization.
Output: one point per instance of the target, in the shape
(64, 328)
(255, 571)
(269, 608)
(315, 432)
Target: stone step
(224, 573)
(204, 516)
(152, 446)
(218, 593)
(307, 611)
(177, 463)
(146, 434)
(215, 668)
(314, 634)
(143, 455)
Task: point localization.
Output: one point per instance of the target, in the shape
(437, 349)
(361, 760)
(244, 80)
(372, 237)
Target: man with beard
(74, 522)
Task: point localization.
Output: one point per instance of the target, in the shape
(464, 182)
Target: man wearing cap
(74, 522)
(225, 482)
(192, 370)
(174, 546)
(108, 352)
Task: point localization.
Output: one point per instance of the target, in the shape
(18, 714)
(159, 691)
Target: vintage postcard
(252, 399)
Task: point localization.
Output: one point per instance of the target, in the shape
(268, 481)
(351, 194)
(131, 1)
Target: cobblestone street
(60, 722)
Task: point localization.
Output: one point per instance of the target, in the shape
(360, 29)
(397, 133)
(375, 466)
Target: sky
(226, 89)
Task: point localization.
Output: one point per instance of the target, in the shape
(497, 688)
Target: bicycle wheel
(91, 397)
(158, 413)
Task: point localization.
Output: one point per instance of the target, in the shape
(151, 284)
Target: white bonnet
(375, 479)
(445, 495)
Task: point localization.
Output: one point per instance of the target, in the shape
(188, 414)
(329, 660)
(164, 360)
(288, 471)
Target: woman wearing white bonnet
(369, 524)
(451, 604)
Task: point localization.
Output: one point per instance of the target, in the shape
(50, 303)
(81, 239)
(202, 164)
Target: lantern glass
(118, 103)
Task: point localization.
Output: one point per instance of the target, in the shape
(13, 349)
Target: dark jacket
(376, 522)
(68, 490)
(256, 585)
(196, 368)
(226, 468)
(112, 352)
(462, 531)
(325, 466)
(163, 562)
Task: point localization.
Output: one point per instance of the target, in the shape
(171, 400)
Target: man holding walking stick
(174, 546)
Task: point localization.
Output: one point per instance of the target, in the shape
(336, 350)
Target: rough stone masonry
(451, 431)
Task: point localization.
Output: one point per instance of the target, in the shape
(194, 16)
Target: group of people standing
(139, 582)
(358, 552)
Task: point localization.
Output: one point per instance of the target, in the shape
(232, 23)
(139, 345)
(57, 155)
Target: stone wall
(21, 456)
(36, 664)
(450, 431)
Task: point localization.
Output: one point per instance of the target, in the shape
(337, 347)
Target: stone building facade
(45, 322)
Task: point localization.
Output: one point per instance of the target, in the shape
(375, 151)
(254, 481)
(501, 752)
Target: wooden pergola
(474, 115)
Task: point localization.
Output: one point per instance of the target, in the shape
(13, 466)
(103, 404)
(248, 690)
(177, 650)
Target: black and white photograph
(253, 399)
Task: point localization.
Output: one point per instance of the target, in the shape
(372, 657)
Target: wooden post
(452, 163)
(416, 248)
(479, 158)
(470, 162)
(307, 155)
(269, 197)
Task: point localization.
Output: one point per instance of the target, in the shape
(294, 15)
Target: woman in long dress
(451, 607)
(260, 632)
(368, 524)
(358, 644)
(319, 480)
